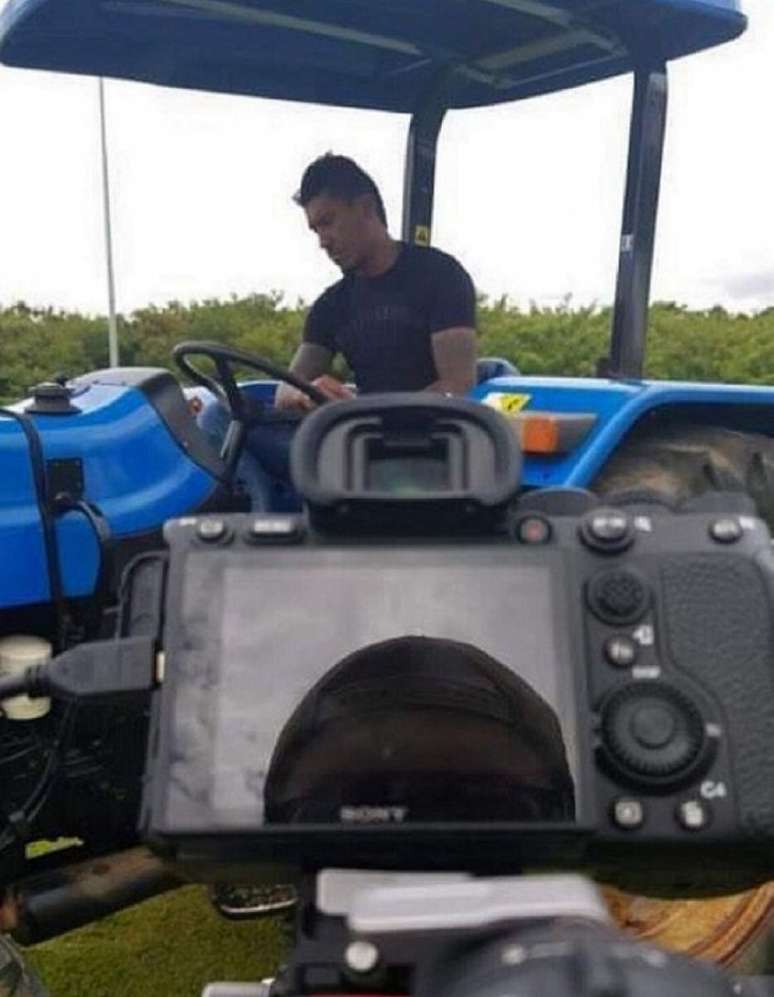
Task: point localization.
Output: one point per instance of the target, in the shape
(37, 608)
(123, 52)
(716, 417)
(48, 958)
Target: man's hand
(333, 388)
(312, 363)
(289, 397)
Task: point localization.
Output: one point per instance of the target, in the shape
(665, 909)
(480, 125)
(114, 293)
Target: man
(402, 316)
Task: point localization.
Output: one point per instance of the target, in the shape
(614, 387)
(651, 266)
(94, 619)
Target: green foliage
(37, 343)
(712, 345)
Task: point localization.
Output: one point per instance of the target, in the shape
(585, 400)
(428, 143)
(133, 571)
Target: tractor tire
(673, 464)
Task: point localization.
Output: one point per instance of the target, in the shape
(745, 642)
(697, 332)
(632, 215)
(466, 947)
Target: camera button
(653, 726)
(533, 530)
(211, 530)
(618, 596)
(628, 814)
(693, 815)
(607, 530)
(726, 531)
(274, 529)
(620, 651)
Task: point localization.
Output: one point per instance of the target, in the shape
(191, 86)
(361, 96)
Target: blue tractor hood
(381, 54)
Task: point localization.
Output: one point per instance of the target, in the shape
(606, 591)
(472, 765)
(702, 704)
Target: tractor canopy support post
(419, 176)
(643, 179)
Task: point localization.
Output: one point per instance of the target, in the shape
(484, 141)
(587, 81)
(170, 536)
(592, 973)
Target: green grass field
(169, 946)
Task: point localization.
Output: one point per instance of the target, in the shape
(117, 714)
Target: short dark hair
(338, 176)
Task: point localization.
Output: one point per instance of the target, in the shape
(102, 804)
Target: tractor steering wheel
(224, 386)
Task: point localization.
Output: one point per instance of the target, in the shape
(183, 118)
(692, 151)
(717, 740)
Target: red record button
(533, 530)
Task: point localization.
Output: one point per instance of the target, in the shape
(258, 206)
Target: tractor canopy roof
(383, 54)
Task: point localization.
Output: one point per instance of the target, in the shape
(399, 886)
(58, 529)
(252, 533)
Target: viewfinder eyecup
(410, 462)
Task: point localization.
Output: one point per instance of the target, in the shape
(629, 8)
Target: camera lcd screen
(373, 684)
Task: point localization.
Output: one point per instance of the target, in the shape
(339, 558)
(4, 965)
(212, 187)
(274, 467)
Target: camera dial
(652, 733)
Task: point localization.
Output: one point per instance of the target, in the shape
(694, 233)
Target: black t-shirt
(383, 325)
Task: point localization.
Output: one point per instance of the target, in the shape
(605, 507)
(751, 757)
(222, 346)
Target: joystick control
(618, 596)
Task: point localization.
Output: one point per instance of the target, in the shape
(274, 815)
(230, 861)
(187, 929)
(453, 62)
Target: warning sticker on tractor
(506, 402)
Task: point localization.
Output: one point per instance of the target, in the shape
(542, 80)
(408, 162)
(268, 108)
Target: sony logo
(372, 815)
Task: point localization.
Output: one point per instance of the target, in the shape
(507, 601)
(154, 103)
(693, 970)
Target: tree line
(713, 345)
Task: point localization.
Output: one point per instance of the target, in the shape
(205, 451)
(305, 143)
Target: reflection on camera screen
(396, 685)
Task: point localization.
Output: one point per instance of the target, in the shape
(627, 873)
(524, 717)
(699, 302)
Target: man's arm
(313, 363)
(454, 354)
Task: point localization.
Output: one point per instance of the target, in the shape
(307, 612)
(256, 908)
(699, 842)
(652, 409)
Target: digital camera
(425, 672)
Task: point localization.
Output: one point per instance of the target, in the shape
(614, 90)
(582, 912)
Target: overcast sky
(528, 195)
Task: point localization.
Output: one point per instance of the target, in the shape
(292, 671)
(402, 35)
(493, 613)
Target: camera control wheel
(652, 733)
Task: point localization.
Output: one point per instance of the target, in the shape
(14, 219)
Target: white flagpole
(112, 324)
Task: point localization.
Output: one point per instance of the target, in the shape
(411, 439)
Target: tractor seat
(489, 367)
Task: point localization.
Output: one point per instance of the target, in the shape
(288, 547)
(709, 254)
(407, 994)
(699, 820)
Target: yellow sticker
(422, 235)
(508, 403)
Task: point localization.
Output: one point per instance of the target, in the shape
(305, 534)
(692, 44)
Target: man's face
(341, 228)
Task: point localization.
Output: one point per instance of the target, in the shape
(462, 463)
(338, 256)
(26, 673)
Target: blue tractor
(92, 468)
